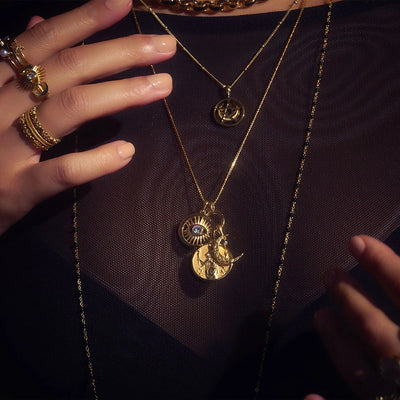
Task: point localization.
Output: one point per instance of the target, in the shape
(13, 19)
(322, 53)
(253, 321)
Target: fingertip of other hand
(125, 150)
(357, 246)
(314, 397)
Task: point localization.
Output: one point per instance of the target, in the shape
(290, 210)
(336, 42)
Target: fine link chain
(80, 287)
(249, 129)
(222, 85)
(293, 204)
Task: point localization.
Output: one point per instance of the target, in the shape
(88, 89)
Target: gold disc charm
(228, 112)
(206, 267)
(195, 230)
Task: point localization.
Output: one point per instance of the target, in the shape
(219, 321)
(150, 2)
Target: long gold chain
(228, 111)
(293, 203)
(280, 267)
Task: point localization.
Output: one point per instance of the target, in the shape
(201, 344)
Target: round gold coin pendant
(207, 268)
(228, 112)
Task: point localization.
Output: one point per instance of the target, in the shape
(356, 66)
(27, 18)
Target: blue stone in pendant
(197, 229)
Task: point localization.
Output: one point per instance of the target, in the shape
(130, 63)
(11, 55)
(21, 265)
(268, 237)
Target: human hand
(24, 180)
(360, 334)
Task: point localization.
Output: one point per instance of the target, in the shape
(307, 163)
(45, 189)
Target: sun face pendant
(195, 230)
(228, 112)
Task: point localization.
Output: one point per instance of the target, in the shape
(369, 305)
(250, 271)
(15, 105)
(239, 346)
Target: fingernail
(116, 4)
(357, 246)
(330, 277)
(163, 43)
(126, 150)
(161, 82)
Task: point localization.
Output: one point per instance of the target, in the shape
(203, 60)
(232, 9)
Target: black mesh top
(156, 331)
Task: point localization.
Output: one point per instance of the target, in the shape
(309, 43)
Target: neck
(258, 8)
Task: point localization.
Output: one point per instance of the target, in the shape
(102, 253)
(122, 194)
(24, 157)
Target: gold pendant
(195, 230)
(212, 260)
(228, 112)
(206, 267)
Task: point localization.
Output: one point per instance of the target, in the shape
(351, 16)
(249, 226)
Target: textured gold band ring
(30, 77)
(34, 131)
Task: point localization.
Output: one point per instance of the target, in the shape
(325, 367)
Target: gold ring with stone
(30, 77)
(34, 131)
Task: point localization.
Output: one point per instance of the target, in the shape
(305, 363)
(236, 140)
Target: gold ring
(30, 77)
(34, 131)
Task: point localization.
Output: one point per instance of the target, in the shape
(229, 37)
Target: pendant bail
(228, 90)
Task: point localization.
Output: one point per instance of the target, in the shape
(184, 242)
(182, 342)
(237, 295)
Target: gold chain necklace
(284, 247)
(203, 230)
(207, 6)
(229, 111)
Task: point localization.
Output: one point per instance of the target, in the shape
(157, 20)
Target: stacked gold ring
(34, 131)
(30, 77)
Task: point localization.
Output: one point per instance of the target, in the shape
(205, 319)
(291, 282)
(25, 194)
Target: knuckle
(135, 46)
(74, 101)
(45, 33)
(138, 87)
(65, 172)
(70, 61)
(374, 331)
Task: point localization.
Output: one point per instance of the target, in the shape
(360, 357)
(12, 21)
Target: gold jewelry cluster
(34, 131)
(208, 6)
(30, 77)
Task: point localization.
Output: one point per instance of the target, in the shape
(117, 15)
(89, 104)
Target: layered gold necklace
(229, 111)
(192, 228)
(204, 230)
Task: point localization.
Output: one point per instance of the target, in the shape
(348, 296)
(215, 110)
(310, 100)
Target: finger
(378, 333)
(65, 112)
(87, 63)
(83, 64)
(54, 34)
(314, 397)
(380, 261)
(347, 354)
(50, 177)
(33, 21)
(77, 105)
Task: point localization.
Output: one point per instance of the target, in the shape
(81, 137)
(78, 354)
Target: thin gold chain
(80, 288)
(224, 86)
(288, 229)
(249, 129)
(293, 203)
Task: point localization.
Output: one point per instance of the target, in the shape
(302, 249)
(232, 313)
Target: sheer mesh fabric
(127, 222)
